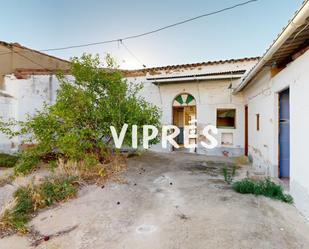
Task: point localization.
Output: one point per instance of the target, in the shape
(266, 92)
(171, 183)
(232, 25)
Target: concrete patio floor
(169, 201)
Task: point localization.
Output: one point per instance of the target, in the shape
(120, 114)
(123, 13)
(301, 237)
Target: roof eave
(157, 70)
(194, 79)
(298, 20)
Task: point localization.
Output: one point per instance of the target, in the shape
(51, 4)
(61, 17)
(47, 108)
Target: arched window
(184, 99)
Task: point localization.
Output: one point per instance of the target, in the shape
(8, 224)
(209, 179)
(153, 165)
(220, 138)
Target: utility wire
(132, 54)
(120, 40)
(31, 60)
(34, 62)
(152, 31)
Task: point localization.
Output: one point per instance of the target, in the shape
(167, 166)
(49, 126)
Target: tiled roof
(127, 73)
(235, 73)
(17, 45)
(154, 70)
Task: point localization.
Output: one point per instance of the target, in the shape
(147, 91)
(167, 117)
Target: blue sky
(243, 32)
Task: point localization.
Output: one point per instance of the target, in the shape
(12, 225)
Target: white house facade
(259, 105)
(201, 94)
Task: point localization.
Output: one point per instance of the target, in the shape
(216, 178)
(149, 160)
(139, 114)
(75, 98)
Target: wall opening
(284, 134)
(257, 122)
(246, 131)
(226, 118)
(184, 113)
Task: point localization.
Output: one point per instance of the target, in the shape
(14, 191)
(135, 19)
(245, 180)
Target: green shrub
(78, 124)
(31, 198)
(262, 187)
(7, 160)
(30, 158)
(20, 214)
(56, 191)
(26, 164)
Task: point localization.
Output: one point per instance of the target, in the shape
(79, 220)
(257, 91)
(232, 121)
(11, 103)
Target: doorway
(184, 113)
(284, 134)
(246, 131)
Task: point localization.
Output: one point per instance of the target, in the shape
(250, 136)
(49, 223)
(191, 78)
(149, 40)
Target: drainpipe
(298, 20)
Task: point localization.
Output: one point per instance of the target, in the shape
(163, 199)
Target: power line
(4, 53)
(152, 31)
(34, 62)
(120, 40)
(142, 34)
(132, 54)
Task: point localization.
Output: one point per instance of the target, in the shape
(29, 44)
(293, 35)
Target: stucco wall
(31, 93)
(28, 95)
(262, 97)
(7, 111)
(209, 95)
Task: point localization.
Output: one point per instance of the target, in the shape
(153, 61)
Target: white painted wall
(262, 97)
(28, 95)
(31, 93)
(7, 111)
(209, 94)
(262, 100)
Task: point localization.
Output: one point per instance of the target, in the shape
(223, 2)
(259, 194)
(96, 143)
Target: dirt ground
(169, 201)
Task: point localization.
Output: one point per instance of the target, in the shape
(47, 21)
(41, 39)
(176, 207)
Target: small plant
(229, 174)
(26, 163)
(7, 160)
(262, 187)
(31, 198)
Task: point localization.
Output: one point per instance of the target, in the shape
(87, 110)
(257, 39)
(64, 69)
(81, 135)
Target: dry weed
(94, 174)
(5, 228)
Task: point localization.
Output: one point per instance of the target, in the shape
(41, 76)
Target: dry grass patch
(5, 180)
(29, 199)
(63, 185)
(92, 173)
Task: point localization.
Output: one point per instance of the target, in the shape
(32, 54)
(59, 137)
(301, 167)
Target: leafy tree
(77, 126)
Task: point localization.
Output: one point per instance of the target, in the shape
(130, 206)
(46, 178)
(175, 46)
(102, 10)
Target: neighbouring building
(259, 105)
(27, 80)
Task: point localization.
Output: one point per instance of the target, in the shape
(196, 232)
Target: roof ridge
(18, 45)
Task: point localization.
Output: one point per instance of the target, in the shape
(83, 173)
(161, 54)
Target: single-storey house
(201, 93)
(259, 105)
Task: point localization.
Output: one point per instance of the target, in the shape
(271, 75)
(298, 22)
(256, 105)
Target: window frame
(226, 109)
